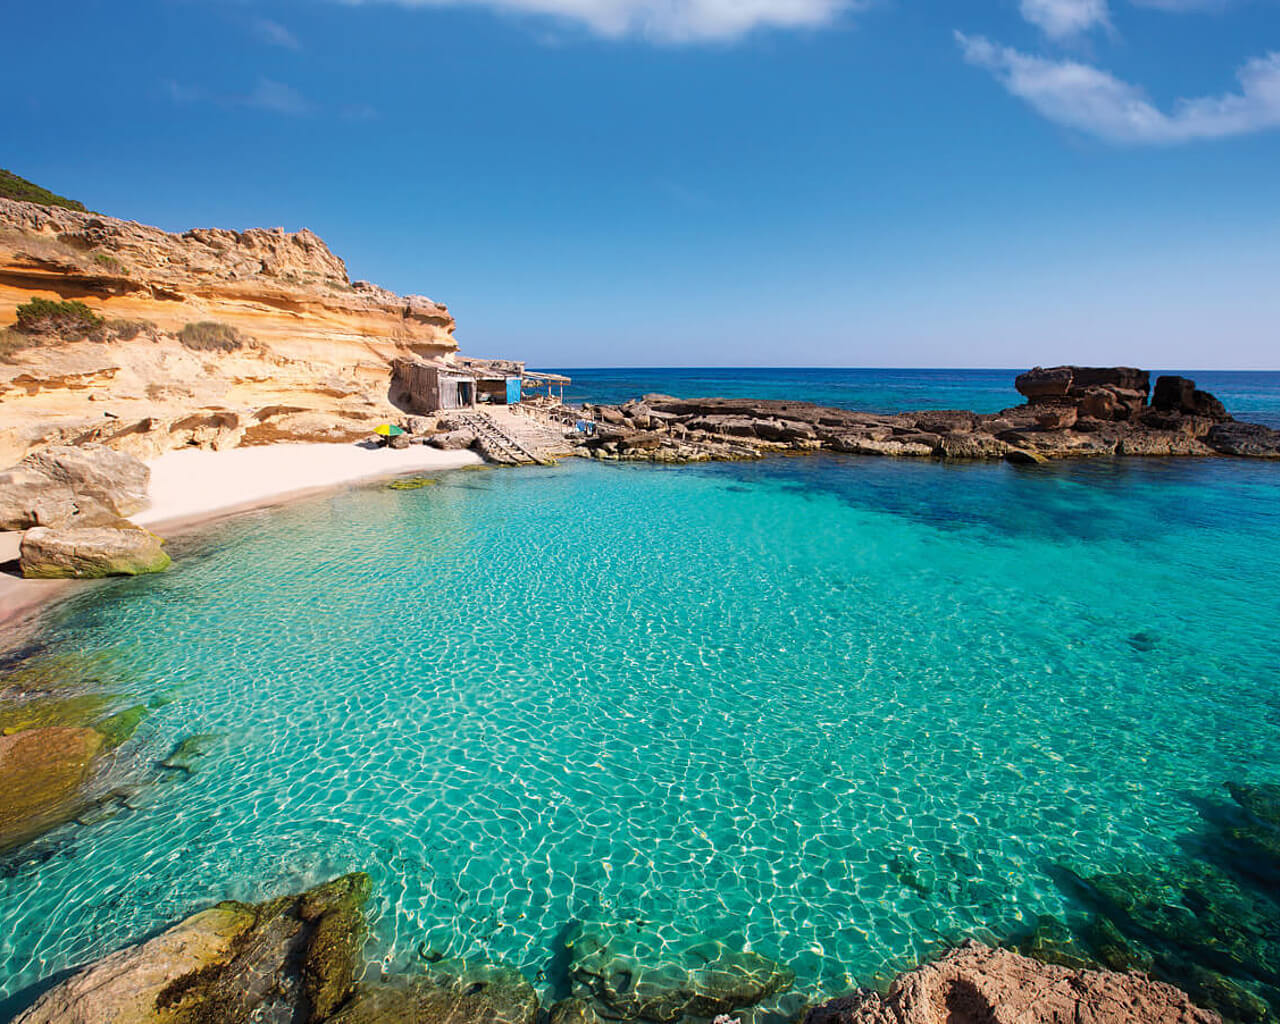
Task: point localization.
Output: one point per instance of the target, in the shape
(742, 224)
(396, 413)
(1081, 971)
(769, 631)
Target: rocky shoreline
(299, 957)
(1070, 412)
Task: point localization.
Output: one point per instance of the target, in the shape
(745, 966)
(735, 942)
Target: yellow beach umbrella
(388, 430)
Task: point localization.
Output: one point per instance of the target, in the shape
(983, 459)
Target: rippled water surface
(836, 710)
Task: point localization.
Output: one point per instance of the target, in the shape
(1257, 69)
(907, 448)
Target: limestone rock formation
(1071, 412)
(290, 958)
(979, 985)
(201, 332)
(91, 552)
(61, 483)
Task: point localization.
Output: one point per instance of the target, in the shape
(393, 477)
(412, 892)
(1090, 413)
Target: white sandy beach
(192, 486)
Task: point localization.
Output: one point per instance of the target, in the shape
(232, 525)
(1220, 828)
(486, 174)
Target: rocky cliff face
(300, 350)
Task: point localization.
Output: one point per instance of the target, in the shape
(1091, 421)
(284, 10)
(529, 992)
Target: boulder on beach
(289, 958)
(453, 440)
(978, 985)
(91, 552)
(87, 484)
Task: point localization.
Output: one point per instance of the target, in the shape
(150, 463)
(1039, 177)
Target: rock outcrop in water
(978, 985)
(292, 958)
(211, 337)
(1071, 411)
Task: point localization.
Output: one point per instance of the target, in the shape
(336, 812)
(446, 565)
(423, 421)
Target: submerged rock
(295, 955)
(628, 976)
(450, 992)
(91, 552)
(42, 775)
(978, 985)
(188, 750)
(412, 483)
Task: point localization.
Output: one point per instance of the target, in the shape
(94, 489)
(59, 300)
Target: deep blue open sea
(1250, 395)
(842, 711)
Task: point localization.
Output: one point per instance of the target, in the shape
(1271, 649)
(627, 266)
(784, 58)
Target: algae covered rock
(633, 975)
(450, 992)
(91, 552)
(42, 774)
(122, 987)
(290, 958)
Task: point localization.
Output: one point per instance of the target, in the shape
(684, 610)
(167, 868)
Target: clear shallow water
(838, 710)
(1249, 395)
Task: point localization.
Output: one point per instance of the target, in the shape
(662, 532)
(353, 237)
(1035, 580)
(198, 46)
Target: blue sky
(709, 182)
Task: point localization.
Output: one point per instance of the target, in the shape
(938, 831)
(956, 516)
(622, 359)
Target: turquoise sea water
(838, 710)
(1249, 394)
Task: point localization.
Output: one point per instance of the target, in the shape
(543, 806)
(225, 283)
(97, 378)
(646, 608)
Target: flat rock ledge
(979, 985)
(1070, 412)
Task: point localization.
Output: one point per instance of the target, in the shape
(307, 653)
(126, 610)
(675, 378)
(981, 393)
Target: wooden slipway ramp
(512, 442)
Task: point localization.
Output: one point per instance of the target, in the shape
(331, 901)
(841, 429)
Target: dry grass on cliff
(211, 336)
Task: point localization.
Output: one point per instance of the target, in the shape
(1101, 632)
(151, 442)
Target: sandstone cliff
(298, 350)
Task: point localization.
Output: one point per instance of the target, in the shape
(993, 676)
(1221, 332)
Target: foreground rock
(91, 552)
(1071, 411)
(291, 958)
(978, 985)
(63, 483)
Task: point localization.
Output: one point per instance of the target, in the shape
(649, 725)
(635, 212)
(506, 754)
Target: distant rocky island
(1070, 412)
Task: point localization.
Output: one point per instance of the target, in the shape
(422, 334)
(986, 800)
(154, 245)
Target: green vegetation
(108, 261)
(63, 319)
(14, 187)
(211, 336)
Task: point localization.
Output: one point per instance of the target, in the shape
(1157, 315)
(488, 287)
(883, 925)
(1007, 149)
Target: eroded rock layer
(301, 351)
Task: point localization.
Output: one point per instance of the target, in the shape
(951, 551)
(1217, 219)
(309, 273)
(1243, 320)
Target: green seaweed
(119, 727)
(42, 712)
(412, 483)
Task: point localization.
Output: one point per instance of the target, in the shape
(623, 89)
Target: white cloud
(1063, 19)
(267, 94)
(671, 21)
(1094, 101)
(277, 98)
(275, 34)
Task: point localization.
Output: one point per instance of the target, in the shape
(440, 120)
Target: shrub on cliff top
(14, 187)
(63, 319)
(211, 336)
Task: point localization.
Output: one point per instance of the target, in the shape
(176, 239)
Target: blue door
(513, 391)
